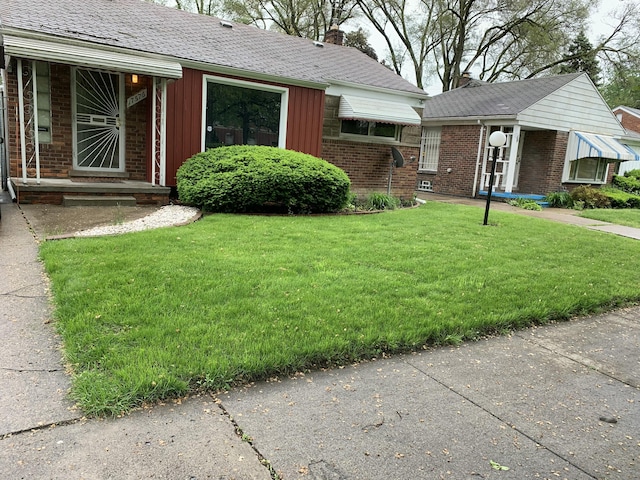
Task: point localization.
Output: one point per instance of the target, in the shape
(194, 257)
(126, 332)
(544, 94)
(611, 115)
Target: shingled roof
(480, 99)
(154, 29)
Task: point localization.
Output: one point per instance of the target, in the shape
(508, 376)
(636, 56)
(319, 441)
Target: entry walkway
(562, 215)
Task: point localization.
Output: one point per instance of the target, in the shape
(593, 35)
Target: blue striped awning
(592, 145)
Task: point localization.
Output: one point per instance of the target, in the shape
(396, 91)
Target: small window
(429, 149)
(371, 129)
(43, 87)
(588, 170)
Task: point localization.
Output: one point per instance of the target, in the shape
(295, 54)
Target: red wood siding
(305, 118)
(184, 120)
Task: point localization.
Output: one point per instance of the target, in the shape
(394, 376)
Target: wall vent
(425, 186)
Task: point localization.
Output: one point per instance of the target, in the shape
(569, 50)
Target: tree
(302, 18)
(623, 85)
(358, 39)
(582, 58)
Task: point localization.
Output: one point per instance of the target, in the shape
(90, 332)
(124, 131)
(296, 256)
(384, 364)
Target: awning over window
(591, 145)
(373, 110)
(91, 57)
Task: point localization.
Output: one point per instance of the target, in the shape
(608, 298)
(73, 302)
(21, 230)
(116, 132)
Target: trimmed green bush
(242, 178)
(590, 197)
(622, 199)
(628, 183)
(633, 173)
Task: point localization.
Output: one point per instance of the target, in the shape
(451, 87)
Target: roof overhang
(592, 145)
(375, 110)
(90, 56)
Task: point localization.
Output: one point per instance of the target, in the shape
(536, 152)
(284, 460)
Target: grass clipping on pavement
(232, 298)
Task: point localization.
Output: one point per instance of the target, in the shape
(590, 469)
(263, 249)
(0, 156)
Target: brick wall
(457, 163)
(56, 158)
(367, 163)
(630, 122)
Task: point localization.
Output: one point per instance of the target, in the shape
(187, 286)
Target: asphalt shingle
(481, 99)
(155, 29)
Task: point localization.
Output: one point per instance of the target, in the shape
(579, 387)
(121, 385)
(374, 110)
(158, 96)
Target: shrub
(622, 199)
(525, 203)
(633, 173)
(629, 183)
(381, 201)
(243, 178)
(590, 197)
(559, 199)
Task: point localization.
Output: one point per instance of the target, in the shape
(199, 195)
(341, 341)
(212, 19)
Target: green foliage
(588, 197)
(629, 184)
(581, 57)
(243, 178)
(633, 173)
(623, 84)
(559, 199)
(381, 201)
(525, 203)
(621, 199)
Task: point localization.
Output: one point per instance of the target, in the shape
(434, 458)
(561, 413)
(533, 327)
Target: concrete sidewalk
(561, 401)
(562, 215)
(44, 436)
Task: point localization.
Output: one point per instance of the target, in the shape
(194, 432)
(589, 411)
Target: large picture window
(588, 170)
(244, 113)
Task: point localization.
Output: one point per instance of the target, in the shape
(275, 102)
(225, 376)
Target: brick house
(560, 134)
(630, 119)
(110, 97)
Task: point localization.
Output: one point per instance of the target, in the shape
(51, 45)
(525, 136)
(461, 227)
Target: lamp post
(497, 139)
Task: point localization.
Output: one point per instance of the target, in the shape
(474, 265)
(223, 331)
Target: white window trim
(48, 93)
(284, 104)
(567, 172)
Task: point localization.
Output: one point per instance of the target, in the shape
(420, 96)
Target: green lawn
(627, 216)
(233, 298)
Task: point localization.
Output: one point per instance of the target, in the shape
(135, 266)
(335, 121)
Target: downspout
(478, 159)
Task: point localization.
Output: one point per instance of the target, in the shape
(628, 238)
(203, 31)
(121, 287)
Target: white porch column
(154, 122)
(513, 158)
(23, 139)
(36, 138)
(159, 132)
(163, 135)
(32, 122)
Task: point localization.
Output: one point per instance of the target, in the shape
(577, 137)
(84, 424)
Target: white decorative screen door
(99, 121)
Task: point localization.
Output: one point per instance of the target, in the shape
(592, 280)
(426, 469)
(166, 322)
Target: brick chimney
(464, 78)
(334, 35)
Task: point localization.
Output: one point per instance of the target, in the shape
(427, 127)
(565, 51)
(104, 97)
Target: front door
(98, 121)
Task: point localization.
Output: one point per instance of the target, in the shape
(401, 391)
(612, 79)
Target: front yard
(235, 298)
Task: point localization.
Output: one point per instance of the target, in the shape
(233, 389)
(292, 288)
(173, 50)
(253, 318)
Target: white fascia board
(338, 88)
(90, 55)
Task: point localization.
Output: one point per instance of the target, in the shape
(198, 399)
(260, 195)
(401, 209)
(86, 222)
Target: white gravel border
(166, 216)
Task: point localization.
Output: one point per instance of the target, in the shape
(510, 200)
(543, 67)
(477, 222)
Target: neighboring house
(560, 134)
(630, 119)
(111, 96)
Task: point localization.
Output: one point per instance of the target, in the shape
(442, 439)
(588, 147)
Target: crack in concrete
(25, 370)
(514, 427)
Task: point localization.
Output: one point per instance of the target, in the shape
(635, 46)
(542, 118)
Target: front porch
(54, 190)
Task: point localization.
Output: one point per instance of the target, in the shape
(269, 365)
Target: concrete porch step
(98, 201)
